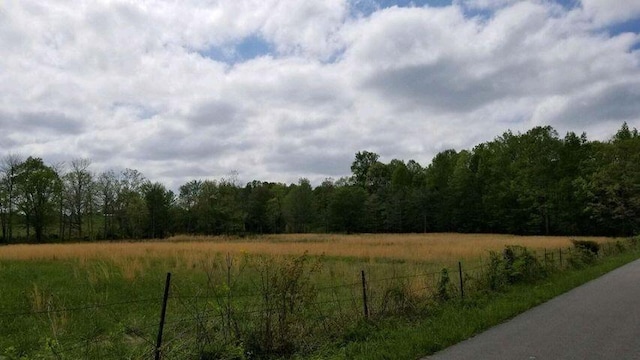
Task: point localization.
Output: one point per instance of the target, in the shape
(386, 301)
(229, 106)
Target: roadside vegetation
(283, 298)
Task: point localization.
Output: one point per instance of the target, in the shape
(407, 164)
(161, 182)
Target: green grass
(406, 323)
(448, 324)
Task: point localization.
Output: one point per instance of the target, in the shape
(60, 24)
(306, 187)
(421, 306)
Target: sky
(277, 90)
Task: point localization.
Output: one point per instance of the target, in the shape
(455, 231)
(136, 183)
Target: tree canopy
(527, 183)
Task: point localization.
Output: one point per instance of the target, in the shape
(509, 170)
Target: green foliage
(253, 307)
(515, 265)
(534, 182)
(587, 245)
(298, 207)
(37, 187)
(287, 292)
(348, 209)
(443, 286)
(585, 253)
(398, 299)
(360, 167)
(223, 352)
(452, 322)
(158, 201)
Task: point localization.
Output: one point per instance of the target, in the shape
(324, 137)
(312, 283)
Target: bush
(522, 265)
(587, 245)
(443, 285)
(585, 253)
(287, 293)
(496, 274)
(515, 265)
(397, 299)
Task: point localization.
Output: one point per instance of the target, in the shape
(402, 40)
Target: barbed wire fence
(275, 315)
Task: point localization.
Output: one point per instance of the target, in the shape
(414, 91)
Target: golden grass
(190, 250)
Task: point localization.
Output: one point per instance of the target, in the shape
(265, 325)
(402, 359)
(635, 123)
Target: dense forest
(530, 183)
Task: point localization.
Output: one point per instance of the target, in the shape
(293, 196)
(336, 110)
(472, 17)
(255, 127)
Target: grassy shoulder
(452, 322)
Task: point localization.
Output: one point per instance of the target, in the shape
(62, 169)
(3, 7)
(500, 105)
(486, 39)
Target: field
(243, 296)
(423, 248)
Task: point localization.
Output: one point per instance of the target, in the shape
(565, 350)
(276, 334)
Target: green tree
(130, 210)
(80, 195)
(298, 207)
(536, 176)
(37, 185)
(158, 201)
(188, 200)
(464, 194)
(612, 190)
(218, 209)
(348, 208)
(322, 199)
(275, 206)
(8, 173)
(437, 179)
(360, 167)
(108, 188)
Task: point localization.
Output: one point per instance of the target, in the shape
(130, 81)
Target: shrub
(443, 285)
(496, 274)
(587, 245)
(516, 264)
(585, 253)
(398, 299)
(521, 265)
(287, 293)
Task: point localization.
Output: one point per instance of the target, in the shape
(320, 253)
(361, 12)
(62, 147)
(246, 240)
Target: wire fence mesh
(282, 309)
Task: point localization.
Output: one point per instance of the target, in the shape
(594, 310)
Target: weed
(443, 286)
(587, 245)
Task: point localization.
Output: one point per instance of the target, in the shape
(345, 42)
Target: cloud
(487, 4)
(40, 123)
(139, 84)
(606, 12)
(214, 113)
(306, 27)
(616, 103)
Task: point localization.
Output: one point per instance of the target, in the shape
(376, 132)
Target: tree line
(526, 183)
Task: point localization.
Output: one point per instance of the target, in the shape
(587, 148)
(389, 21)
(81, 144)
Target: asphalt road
(598, 320)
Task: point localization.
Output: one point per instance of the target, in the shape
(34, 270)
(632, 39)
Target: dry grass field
(430, 248)
(112, 290)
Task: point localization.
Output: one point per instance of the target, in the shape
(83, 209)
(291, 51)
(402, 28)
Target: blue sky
(281, 89)
(254, 45)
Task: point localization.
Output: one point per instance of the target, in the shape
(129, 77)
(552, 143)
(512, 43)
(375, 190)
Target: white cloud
(606, 12)
(125, 82)
(487, 4)
(306, 27)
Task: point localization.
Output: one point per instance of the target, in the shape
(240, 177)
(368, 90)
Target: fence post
(461, 281)
(560, 253)
(364, 296)
(162, 315)
(229, 266)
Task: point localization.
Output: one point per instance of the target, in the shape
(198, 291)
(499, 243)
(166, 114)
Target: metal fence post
(560, 253)
(364, 296)
(162, 315)
(461, 280)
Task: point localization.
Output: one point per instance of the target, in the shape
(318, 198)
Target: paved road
(599, 320)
